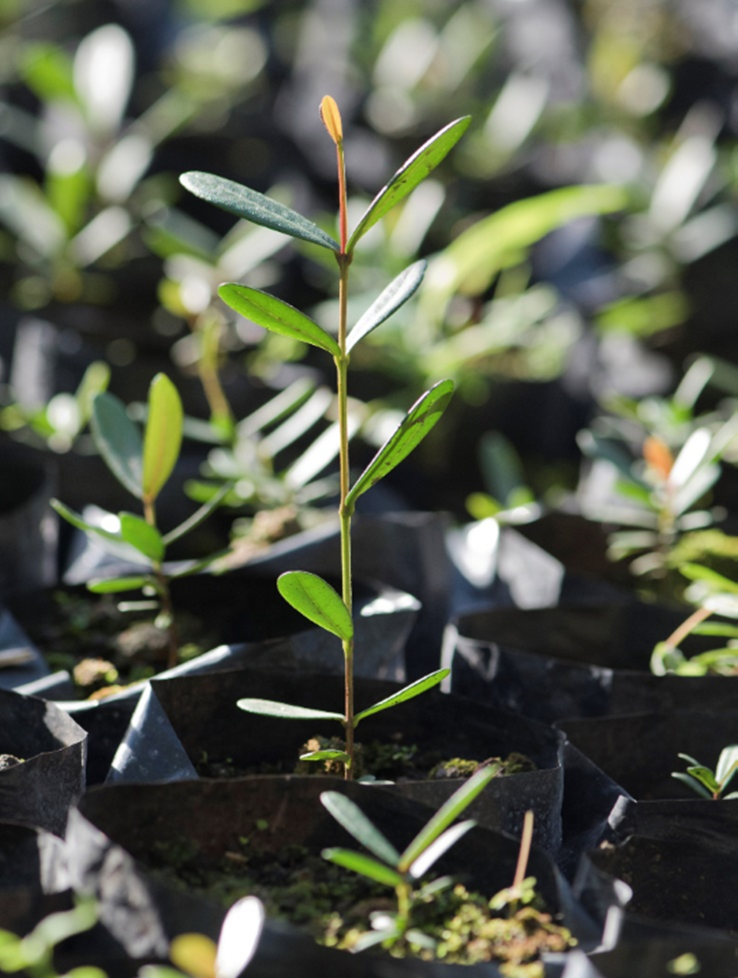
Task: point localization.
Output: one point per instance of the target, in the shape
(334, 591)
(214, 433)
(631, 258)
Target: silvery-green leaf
(395, 295)
(119, 441)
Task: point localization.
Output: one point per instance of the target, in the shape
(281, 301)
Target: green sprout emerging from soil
(706, 782)
(143, 466)
(308, 593)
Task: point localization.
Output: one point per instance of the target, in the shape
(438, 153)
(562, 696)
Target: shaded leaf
(411, 173)
(317, 601)
(416, 424)
(285, 711)
(696, 572)
(119, 441)
(277, 316)
(404, 694)
(141, 535)
(395, 295)
(162, 437)
(692, 783)
(247, 203)
(350, 816)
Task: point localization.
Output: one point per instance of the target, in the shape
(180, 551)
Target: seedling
(714, 594)
(308, 593)
(142, 466)
(706, 782)
(402, 870)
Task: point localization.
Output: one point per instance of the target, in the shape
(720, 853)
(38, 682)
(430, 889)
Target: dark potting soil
(105, 649)
(333, 905)
(382, 760)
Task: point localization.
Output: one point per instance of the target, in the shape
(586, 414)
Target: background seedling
(706, 782)
(309, 594)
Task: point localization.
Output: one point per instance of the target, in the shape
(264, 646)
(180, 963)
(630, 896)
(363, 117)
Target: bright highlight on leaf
(317, 601)
(331, 119)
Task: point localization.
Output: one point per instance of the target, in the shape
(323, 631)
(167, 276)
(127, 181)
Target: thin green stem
(165, 596)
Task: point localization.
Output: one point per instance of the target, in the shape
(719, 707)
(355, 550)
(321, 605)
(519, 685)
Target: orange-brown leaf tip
(658, 456)
(331, 119)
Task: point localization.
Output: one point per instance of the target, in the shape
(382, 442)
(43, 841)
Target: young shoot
(706, 782)
(402, 871)
(143, 466)
(308, 593)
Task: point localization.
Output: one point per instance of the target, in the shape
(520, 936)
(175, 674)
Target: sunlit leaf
(395, 295)
(441, 845)
(696, 572)
(317, 601)
(163, 435)
(194, 954)
(141, 535)
(350, 816)
(247, 203)
(277, 316)
(404, 694)
(114, 585)
(416, 424)
(364, 865)
(119, 441)
(727, 764)
(239, 937)
(285, 711)
(410, 174)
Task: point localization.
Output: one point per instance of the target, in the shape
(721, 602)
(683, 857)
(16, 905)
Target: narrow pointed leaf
(317, 601)
(436, 849)
(447, 813)
(163, 435)
(114, 585)
(277, 316)
(141, 535)
(244, 202)
(692, 783)
(696, 572)
(199, 516)
(404, 694)
(416, 424)
(76, 520)
(119, 441)
(286, 711)
(351, 817)
(395, 295)
(364, 865)
(325, 755)
(410, 174)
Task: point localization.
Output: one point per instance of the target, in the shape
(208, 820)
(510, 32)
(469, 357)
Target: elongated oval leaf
(691, 783)
(141, 535)
(277, 316)
(76, 520)
(727, 764)
(239, 937)
(364, 865)
(447, 813)
(163, 435)
(119, 441)
(113, 585)
(285, 711)
(325, 755)
(416, 424)
(244, 202)
(317, 601)
(404, 694)
(350, 816)
(195, 954)
(696, 572)
(411, 173)
(442, 844)
(395, 295)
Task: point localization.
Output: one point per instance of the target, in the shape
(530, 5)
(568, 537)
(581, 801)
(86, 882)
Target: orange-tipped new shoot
(331, 119)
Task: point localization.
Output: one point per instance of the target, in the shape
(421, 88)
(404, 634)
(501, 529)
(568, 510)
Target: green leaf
(350, 816)
(364, 865)
(416, 424)
(119, 441)
(163, 436)
(691, 783)
(48, 71)
(395, 295)
(696, 572)
(325, 755)
(404, 694)
(76, 520)
(277, 316)
(705, 776)
(285, 711)
(721, 604)
(113, 585)
(441, 845)
(411, 173)
(247, 203)
(447, 813)
(141, 535)
(199, 516)
(317, 601)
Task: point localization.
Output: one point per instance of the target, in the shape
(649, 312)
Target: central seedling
(312, 596)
